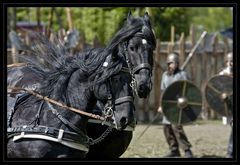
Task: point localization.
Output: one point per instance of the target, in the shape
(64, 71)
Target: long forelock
(149, 35)
(130, 28)
(127, 31)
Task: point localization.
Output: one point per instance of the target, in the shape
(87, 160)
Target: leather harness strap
(49, 131)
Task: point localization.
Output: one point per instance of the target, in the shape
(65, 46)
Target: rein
(49, 133)
(59, 104)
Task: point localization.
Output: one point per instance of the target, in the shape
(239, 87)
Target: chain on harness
(133, 83)
(101, 137)
(108, 108)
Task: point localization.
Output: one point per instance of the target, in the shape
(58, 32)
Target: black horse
(138, 52)
(136, 42)
(37, 128)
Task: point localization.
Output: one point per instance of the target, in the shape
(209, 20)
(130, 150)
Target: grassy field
(209, 139)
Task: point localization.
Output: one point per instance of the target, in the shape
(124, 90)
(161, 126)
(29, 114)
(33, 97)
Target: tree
(165, 17)
(212, 19)
(104, 22)
(99, 22)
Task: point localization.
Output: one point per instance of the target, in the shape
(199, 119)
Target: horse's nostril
(123, 121)
(141, 87)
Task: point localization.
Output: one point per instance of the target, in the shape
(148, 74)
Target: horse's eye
(131, 48)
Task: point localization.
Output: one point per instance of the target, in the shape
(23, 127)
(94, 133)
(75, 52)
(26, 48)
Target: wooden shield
(218, 94)
(182, 102)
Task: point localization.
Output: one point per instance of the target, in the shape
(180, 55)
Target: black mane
(51, 58)
(53, 61)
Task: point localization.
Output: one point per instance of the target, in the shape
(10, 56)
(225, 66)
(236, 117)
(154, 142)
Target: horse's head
(140, 54)
(116, 94)
(137, 43)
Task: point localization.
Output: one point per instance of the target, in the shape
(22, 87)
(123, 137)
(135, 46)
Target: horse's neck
(77, 91)
(79, 96)
(72, 90)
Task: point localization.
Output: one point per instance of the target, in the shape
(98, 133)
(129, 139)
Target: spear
(155, 117)
(193, 50)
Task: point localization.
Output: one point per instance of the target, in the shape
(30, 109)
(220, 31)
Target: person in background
(228, 70)
(174, 134)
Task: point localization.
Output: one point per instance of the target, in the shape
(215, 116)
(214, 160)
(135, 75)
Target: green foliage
(104, 22)
(98, 22)
(165, 17)
(28, 14)
(212, 19)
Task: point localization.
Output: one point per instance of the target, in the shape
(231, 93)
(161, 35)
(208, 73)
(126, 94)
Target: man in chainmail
(228, 70)
(174, 134)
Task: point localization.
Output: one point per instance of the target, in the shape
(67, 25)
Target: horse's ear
(146, 16)
(129, 16)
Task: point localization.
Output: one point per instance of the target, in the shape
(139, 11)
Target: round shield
(182, 102)
(218, 93)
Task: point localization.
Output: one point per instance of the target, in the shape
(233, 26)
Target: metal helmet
(228, 57)
(173, 57)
